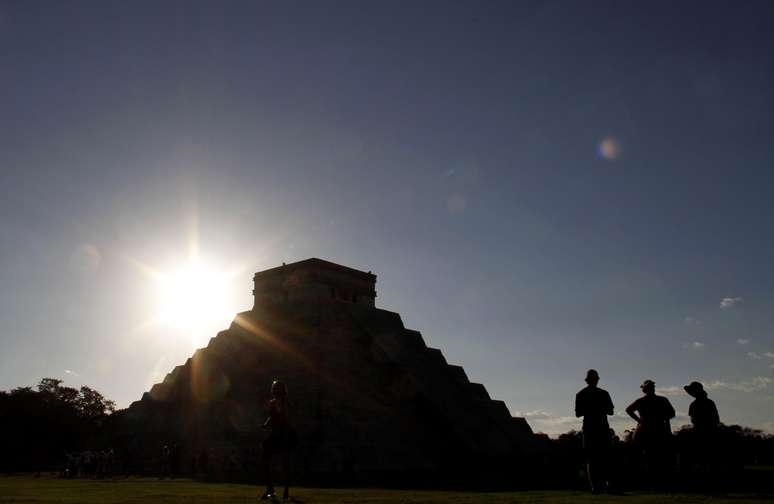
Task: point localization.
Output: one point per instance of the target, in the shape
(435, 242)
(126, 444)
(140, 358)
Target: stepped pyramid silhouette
(370, 401)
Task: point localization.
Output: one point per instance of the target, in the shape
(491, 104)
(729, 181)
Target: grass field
(141, 490)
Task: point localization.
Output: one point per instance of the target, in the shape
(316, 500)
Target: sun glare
(192, 296)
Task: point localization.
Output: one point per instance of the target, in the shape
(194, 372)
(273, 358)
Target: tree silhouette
(38, 426)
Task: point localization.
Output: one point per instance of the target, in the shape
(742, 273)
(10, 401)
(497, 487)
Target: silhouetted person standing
(281, 439)
(703, 412)
(653, 434)
(594, 405)
(706, 420)
(166, 462)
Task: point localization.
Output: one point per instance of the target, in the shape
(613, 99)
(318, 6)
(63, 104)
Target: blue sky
(541, 187)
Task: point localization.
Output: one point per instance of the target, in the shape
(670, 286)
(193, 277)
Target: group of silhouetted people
(652, 435)
(89, 464)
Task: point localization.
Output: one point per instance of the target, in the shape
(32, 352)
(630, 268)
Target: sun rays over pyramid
(370, 401)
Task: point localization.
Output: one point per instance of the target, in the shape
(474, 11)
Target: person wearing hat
(703, 412)
(706, 420)
(653, 433)
(594, 405)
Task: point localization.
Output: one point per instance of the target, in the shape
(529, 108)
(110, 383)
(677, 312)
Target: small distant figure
(166, 462)
(87, 463)
(653, 434)
(706, 420)
(100, 457)
(594, 405)
(281, 440)
(71, 466)
(110, 462)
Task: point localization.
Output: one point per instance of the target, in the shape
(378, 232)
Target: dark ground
(49, 489)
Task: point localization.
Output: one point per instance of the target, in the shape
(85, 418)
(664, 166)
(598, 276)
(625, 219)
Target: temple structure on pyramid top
(371, 402)
(314, 280)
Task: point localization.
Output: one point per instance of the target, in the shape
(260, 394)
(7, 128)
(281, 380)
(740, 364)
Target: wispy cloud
(754, 355)
(71, 372)
(767, 427)
(673, 390)
(692, 321)
(753, 385)
(770, 355)
(743, 341)
(730, 302)
(544, 421)
(548, 418)
(697, 345)
(757, 383)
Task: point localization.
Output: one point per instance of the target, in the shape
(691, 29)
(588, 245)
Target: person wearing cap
(594, 405)
(706, 420)
(653, 433)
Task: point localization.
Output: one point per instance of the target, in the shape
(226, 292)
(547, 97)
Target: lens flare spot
(609, 148)
(456, 204)
(86, 258)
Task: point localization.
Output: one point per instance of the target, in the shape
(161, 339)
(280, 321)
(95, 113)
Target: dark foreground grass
(141, 490)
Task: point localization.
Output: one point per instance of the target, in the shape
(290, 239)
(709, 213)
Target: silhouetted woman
(281, 439)
(703, 438)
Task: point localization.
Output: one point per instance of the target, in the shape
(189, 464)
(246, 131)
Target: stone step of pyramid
(436, 356)
(478, 391)
(458, 374)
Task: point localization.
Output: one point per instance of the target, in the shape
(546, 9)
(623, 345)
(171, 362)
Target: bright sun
(192, 296)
